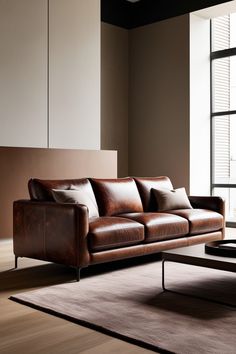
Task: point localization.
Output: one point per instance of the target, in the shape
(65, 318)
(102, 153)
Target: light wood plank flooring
(27, 331)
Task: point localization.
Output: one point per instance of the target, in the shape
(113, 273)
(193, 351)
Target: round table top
(224, 248)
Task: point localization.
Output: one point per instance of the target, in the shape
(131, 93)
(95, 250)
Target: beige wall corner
(159, 100)
(115, 92)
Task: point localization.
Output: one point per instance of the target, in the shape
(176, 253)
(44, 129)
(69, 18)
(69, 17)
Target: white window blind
(222, 147)
(221, 33)
(221, 98)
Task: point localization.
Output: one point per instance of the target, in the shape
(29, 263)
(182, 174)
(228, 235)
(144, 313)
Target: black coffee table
(196, 256)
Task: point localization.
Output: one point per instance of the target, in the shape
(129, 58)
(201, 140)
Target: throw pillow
(75, 196)
(171, 199)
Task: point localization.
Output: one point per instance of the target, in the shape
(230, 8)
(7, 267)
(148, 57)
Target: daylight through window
(223, 111)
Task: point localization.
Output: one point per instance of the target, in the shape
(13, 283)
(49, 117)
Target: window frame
(218, 54)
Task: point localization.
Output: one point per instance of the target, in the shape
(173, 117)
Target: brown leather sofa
(127, 224)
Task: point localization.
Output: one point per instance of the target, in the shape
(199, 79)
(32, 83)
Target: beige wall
(145, 98)
(18, 165)
(115, 92)
(159, 100)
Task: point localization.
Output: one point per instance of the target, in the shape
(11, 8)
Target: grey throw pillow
(171, 199)
(76, 196)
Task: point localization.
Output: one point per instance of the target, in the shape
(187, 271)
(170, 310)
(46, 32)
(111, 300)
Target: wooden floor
(27, 331)
(24, 330)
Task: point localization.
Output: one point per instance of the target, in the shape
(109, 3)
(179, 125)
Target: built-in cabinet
(50, 73)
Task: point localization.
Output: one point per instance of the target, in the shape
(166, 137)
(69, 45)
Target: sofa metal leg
(163, 275)
(77, 273)
(16, 262)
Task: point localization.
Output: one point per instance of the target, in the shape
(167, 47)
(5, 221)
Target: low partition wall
(18, 165)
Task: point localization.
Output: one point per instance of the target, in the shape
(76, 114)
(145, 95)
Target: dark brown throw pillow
(171, 199)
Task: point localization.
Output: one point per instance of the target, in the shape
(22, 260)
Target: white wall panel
(74, 79)
(23, 73)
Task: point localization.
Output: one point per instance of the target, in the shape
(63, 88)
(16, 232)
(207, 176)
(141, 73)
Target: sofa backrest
(145, 184)
(110, 196)
(116, 196)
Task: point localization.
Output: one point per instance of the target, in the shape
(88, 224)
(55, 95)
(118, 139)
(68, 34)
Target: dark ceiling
(130, 15)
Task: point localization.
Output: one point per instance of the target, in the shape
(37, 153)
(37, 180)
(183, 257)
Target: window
(223, 111)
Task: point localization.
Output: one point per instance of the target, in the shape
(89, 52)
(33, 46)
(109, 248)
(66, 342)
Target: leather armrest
(208, 202)
(55, 232)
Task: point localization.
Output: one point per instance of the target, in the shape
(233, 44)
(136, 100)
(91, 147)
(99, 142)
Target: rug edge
(92, 326)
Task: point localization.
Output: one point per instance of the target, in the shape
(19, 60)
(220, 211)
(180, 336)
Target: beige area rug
(130, 304)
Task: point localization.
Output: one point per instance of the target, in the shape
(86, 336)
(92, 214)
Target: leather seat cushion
(160, 226)
(113, 232)
(200, 220)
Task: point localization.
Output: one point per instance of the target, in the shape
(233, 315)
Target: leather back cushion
(40, 189)
(116, 196)
(145, 184)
